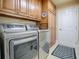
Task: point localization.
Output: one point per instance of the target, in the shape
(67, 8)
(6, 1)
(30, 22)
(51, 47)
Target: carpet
(64, 52)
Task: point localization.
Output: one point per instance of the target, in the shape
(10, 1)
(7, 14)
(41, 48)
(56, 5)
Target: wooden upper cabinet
(0, 4)
(23, 7)
(32, 8)
(39, 7)
(35, 8)
(38, 10)
(8, 6)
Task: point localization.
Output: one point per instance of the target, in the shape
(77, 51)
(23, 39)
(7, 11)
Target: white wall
(67, 25)
(5, 19)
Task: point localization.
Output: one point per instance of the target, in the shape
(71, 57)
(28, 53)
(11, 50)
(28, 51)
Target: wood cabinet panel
(8, 6)
(39, 7)
(51, 7)
(31, 8)
(43, 26)
(0, 4)
(52, 27)
(45, 5)
(35, 8)
(23, 7)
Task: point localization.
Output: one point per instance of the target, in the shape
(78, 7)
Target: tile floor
(42, 54)
(52, 49)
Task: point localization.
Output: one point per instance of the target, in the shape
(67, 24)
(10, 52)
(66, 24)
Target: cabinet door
(8, 6)
(23, 7)
(35, 8)
(32, 8)
(52, 27)
(38, 8)
(0, 3)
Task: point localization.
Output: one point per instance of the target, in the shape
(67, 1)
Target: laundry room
(39, 29)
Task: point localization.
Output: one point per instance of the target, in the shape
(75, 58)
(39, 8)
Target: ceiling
(61, 2)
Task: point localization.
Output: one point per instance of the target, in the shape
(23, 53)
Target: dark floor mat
(64, 52)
